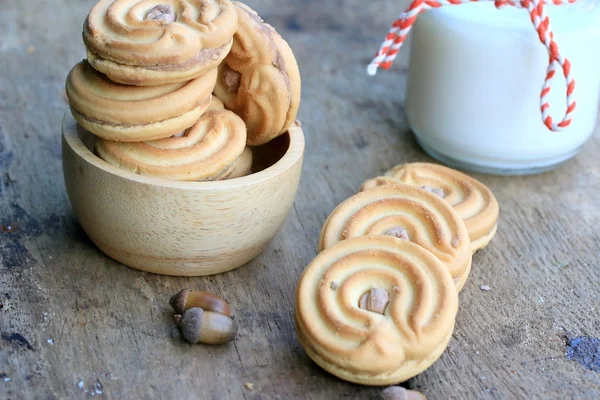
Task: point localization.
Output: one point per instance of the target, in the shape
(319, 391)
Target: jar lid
(582, 14)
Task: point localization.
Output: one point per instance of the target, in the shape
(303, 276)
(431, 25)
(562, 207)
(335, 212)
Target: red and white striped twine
(397, 35)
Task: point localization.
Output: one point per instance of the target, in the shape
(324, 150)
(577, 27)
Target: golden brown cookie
(132, 113)
(243, 165)
(473, 201)
(375, 310)
(259, 80)
(406, 212)
(378, 181)
(149, 43)
(206, 151)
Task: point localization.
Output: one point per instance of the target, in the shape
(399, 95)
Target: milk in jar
(474, 82)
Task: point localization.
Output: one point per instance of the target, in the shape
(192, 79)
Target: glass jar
(474, 83)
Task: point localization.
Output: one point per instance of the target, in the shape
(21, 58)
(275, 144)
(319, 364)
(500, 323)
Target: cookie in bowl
(206, 151)
(243, 165)
(149, 43)
(133, 113)
(259, 79)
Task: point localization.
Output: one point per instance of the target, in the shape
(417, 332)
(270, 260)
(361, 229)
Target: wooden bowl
(181, 228)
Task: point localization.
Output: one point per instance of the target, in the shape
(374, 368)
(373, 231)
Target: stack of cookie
(377, 306)
(178, 89)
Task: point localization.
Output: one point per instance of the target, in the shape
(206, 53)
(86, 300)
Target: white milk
(474, 82)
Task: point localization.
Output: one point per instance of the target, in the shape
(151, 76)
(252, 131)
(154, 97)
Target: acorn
(188, 298)
(200, 326)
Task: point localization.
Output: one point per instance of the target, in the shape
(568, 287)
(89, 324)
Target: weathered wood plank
(111, 326)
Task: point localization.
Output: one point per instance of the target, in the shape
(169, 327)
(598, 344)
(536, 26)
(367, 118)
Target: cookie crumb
(98, 388)
(249, 386)
(485, 288)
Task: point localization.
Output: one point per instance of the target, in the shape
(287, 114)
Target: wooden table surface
(74, 323)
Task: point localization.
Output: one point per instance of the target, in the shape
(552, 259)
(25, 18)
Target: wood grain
(111, 325)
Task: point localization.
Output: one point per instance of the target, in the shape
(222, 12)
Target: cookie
(473, 201)
(259, 80)
(409, 213)
(132, 113)
(206, 151)
(377, 181)
(375, 310)
(150, 43)
(242, 165)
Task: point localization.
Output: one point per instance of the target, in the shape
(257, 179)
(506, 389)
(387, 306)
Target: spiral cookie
(130, 113)
(406, 212)
(378, 181)
(153, 42)
(206, 151)
(375, 310)
(243, 165)
(259, 79)
(473, 201)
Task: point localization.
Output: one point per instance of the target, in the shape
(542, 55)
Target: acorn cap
(198, 325)
(178, 300)
(191, 324)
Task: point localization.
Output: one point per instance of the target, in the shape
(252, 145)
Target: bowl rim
(293, 154)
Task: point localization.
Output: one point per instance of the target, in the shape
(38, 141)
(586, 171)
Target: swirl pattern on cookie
(151, 42)
(473, 201)
(403, 337)
(259, 80)
(377, 181)
(132, 113)
(206, 151)
(408, 212)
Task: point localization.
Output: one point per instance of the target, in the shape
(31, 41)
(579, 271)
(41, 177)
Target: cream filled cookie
(150, 42)
(405, 212)
(243, 165)
(132, 113)
(259, 80)
(206, 151)
(375, 310)
(473, 201)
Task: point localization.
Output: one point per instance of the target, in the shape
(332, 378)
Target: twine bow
(401, 27)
